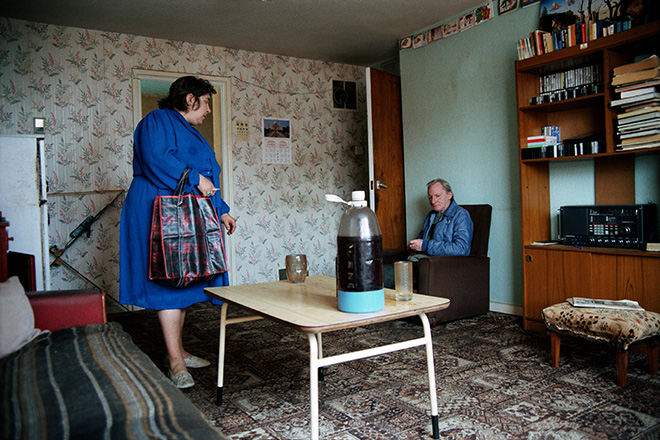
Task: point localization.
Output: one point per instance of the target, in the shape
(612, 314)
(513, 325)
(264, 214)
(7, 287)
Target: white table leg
(221, 352)
(224, 322)
(314, 344)
(431, 372)
(319, 338)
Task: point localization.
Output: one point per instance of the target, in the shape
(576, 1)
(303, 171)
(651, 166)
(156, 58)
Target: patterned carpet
(494, 382)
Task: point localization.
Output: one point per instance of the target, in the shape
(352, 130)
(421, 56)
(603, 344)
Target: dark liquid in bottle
(359, 264)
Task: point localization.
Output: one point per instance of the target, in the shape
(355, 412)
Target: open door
(386, 178)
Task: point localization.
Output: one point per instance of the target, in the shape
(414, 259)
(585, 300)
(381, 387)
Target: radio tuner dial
(626, 230)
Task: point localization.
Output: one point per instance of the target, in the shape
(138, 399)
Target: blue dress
(164, 145)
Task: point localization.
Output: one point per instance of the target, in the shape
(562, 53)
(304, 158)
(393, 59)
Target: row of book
(638, 86)
(540, 42)
(572, 83)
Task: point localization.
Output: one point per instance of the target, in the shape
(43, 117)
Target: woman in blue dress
(165, 143)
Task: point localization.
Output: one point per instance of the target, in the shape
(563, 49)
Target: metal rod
(221, 351)
(80, 193)
(314, 365)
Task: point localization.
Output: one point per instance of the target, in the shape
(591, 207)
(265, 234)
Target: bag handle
(178, 191)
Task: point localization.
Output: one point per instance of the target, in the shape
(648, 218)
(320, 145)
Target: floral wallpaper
(80, 81)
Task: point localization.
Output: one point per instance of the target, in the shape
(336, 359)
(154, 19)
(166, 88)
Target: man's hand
(415, 245)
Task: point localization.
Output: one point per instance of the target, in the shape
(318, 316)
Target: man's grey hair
(444, 183)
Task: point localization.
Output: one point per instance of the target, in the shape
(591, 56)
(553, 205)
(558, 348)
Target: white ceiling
(359, 32)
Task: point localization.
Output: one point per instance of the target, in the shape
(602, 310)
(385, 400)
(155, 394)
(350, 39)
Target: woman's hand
(205, 187)
(229, 223)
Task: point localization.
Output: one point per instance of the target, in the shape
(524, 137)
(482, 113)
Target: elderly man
(447, 229)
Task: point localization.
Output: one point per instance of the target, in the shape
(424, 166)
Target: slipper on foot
(196, 362)
(191, 362)
(181, 380)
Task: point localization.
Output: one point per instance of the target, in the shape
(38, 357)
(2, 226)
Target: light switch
(39, 125)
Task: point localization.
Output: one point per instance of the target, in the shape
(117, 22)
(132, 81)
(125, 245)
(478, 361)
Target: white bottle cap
(358, 195)
(358, 199)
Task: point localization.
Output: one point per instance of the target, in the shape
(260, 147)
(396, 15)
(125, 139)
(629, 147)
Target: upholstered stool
(619, 328)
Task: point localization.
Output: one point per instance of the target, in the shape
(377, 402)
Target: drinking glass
(403, 282)
(296, 268)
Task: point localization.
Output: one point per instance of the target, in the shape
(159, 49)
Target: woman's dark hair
(179, 90)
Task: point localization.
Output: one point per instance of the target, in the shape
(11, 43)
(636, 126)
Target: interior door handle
(380, 185)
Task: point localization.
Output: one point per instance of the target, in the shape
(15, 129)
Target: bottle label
(359, 263)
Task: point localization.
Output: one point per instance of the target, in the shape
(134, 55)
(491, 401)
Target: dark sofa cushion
(92, 382)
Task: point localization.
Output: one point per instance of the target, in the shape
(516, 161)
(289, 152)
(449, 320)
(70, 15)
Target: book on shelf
(525, 48)
(638, 146)
(636, 77)
(621, 304)
(640, 91)
(646, 139)
(635, 86)
(646, 63)
(541, 140)
(646, 97)
(639, 118)
(638, 134)
(639, 106)
(537, 38)
(635, 127)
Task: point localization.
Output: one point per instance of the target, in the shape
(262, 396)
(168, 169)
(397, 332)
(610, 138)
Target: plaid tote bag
(186, 239)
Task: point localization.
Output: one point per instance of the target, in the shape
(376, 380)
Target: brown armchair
(464, 280)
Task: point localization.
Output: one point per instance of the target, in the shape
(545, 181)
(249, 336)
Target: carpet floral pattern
(494, 382)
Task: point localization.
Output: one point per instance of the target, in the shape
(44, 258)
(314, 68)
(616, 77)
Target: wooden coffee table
(311, 307)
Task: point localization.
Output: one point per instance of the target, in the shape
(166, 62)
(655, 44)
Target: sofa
(66, 373)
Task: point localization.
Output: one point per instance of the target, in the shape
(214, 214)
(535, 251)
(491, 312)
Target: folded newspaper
(623, 304)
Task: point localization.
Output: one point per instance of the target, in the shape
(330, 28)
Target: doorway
(149, 86)
(386, 173)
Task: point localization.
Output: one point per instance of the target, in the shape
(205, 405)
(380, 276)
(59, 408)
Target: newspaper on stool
(623, 304)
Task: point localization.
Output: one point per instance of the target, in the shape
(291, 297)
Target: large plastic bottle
(359, 259)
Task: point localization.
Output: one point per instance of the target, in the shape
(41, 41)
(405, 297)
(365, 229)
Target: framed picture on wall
(505, 6)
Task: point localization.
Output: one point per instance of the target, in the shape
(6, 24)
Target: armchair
(464, 280)
(52, 309)
(56, 309)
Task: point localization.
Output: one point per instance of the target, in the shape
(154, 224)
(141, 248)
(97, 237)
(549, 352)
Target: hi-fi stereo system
(625, 226)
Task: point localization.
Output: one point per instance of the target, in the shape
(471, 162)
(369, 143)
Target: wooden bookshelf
(552, 274)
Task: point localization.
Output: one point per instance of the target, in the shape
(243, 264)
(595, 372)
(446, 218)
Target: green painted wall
(460, 123)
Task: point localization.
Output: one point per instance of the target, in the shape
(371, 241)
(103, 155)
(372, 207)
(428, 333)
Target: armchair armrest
(465, 280)
(393, 255)
(56, 309)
